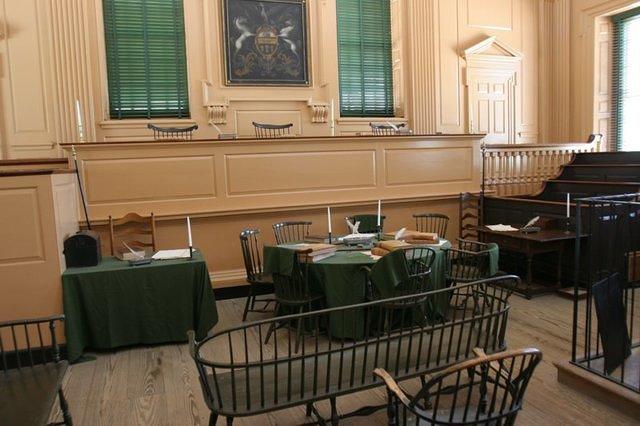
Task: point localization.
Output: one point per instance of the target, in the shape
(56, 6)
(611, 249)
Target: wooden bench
(240, 375)
(32, 372)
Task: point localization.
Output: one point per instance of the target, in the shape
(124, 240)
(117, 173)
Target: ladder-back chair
(132, 229)
(470, 215)
(487, 390)
(172, 133)
(432, 222)
(272, 131)
(251, 253)
(291, 231)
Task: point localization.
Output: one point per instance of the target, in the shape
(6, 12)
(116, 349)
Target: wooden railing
(520, 169)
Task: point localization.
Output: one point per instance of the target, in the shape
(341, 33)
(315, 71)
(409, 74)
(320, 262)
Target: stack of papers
(172, 254)
(502, 228)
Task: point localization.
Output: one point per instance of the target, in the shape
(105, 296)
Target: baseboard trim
(228, 278)
(616, 396)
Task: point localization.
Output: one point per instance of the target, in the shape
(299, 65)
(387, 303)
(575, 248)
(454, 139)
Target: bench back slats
(242, 375)
(23, 343)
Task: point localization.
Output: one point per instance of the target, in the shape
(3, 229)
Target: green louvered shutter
(625, 125)
(364, 58)
(146, 58)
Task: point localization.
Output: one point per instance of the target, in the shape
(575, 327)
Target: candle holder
(330, 239)
(190, 252)
(379, 232)
(568, 225)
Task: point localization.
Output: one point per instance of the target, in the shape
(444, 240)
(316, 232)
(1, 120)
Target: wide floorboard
(159, 385)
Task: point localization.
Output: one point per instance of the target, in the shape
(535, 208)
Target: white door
(27, 128)
(491, 107)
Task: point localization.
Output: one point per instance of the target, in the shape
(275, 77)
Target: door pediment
(491, 49)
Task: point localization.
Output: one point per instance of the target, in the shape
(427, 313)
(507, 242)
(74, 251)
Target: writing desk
(113, 304)
(544, 241)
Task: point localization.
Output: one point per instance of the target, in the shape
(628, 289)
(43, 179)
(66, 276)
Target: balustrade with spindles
(522, 168)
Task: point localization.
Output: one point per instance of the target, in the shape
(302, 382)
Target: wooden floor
(159, 386)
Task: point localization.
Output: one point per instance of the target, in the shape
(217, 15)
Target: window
(626, 81)
(364, 58)
(146, 59)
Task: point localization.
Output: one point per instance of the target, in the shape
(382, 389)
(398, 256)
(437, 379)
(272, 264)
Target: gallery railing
(606, 324)
(516, 169)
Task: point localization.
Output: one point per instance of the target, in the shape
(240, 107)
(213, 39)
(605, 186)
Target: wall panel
(291, 172)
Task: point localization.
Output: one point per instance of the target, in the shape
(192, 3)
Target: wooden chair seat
(334, 370)
(309, 299)
(262, 278)
(28, 394)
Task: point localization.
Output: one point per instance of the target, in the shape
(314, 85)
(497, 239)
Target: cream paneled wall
(57, 56)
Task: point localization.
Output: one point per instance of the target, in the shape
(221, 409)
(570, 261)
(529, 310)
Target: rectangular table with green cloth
(342, 280)
(114, 304)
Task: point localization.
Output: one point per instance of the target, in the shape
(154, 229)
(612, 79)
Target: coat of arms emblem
(266, 42)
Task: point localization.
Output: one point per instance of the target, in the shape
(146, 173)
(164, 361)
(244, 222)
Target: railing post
(576, 277)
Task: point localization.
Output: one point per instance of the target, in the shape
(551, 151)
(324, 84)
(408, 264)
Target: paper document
(171, 254)
(502, 228)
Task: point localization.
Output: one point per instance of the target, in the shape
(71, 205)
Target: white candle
(379, 211)
(333, 118)
(329, 218)
(189, 231)
(79, 120)
(568, 206)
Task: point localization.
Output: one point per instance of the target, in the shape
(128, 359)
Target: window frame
(617, 64)
(108, 118)
(390, 99)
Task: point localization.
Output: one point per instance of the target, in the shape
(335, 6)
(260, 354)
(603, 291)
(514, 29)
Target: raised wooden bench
(32, 372)
(242, 376)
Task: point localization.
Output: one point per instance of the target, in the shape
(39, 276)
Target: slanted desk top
(543, 236)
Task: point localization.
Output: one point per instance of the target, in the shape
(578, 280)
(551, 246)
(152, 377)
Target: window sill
(137, 123)
(360, 120)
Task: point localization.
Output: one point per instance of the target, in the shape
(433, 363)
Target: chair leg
(309, 410)
(425, 401)
(246, 305)
(229, 421)
(391, 409)
(299, 329)
(272, 327)
(213, 418)
(66, 416)
(335, 419)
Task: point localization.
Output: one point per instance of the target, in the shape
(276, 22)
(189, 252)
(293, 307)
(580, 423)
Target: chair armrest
(494, 365)
(392, 386)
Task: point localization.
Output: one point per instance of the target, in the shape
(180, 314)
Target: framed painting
(266, 42)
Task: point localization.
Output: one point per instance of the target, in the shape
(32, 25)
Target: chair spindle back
(291, 231)
(172, 133)
(272, 131)
(432, 222)
(27, 343)
(251, 244)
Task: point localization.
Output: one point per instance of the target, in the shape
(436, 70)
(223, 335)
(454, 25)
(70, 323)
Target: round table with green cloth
(342, 279)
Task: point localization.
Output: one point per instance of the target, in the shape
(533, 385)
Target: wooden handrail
(516, 169)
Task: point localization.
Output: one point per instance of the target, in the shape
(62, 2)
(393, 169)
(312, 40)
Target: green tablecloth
(342, 280)
(114, 304)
